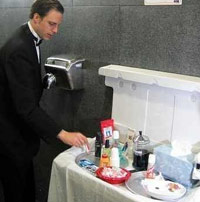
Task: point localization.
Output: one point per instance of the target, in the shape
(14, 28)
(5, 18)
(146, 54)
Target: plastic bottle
(114, 158)
(115, 138)
(104, 161)
(106, 149)
(150, 168)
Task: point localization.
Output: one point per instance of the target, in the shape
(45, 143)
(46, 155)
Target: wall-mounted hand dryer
(64, 71)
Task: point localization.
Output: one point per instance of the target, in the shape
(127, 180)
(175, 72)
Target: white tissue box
(178, 169)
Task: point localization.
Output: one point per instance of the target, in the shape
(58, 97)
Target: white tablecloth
(70, 183)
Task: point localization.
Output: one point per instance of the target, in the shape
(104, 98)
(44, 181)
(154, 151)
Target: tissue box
(178, 169)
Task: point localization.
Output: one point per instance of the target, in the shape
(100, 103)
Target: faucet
(49, 80)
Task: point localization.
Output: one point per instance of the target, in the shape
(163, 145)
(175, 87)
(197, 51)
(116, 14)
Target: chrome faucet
(49, 80)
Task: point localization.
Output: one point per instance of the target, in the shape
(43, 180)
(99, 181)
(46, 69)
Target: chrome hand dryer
(64, 71)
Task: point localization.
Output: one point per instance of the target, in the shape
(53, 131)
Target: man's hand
(73, 138)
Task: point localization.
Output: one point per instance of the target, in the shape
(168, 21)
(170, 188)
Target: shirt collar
(33, 31)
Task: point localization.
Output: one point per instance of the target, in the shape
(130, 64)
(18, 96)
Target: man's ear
(36, 18)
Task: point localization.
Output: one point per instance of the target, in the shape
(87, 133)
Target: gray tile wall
(165, 38)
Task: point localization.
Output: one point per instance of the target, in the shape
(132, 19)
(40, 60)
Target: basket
(113, 180)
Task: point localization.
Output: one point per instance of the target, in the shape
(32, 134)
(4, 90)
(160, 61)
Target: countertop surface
(71, 183)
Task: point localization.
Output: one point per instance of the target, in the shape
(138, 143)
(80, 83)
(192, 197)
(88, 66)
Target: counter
(71, 183)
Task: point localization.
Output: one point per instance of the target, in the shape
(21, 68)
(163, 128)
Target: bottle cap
(115, 134)
(104, 156)
(152, 158)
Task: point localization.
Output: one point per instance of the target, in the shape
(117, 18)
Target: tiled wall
(165, 38)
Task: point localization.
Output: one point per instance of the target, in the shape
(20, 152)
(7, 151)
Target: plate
(164, 190)
(113, 180)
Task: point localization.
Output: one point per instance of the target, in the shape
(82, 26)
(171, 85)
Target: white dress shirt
(35, 35)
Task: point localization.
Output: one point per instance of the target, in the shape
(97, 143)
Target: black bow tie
(38, 42)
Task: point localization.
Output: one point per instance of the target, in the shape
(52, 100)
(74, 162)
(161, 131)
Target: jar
(141, 152)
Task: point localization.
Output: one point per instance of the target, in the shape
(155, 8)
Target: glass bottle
(98, 145)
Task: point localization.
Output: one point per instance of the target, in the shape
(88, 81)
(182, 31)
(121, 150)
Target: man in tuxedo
(22, 121)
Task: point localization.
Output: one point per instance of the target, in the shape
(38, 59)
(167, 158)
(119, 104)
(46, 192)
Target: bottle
(150, 168)
(106, 149)
(115, 138)
(114, 158)
(104, 161)
(98, 144)
(130, 139)
(141, 152)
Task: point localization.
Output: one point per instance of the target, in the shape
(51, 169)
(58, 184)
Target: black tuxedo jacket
(22, 121)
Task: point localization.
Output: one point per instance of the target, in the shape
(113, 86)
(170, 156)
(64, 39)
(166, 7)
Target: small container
(104, 161)
(114, 158)
(141, 152)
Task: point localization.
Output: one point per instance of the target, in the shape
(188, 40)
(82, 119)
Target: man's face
(47, 26)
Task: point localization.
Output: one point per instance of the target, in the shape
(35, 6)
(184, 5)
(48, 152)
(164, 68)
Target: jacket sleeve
(24, 81)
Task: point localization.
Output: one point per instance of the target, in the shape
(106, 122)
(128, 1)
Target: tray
(134, 185)
(89, 156)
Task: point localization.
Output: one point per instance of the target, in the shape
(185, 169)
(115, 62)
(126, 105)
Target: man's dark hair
(42, 7)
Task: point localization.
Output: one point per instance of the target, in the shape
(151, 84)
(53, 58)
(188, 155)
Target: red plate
(113, 180)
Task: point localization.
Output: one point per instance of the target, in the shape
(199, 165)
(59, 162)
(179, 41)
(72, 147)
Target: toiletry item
(104, 161)
(124, 148)
(98, 144)
(150, 168)
(107, 127)
(114, 158)
(141, 152)
(130, 138)
(106, 149)
(115, 142)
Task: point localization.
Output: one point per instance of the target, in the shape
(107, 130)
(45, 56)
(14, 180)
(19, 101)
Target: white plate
(160, 189)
